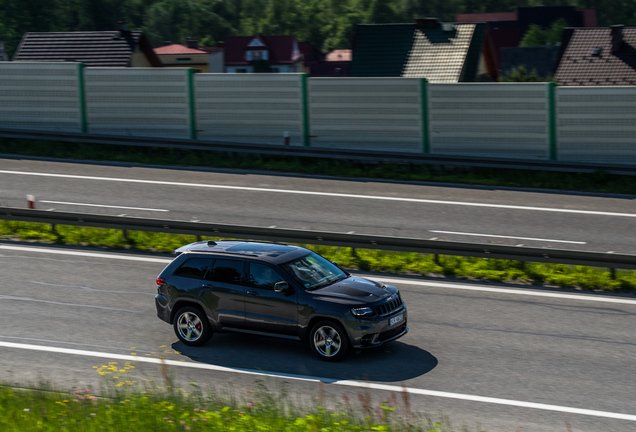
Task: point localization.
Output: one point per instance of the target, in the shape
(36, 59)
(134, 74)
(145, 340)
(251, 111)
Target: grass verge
(599, 182)
(494, 270)
(153, 410)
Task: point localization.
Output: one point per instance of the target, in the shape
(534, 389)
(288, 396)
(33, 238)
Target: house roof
(587, 58)
(177, 49)
(486, 17)
(93, 48)
(410, 50)
(281, 49)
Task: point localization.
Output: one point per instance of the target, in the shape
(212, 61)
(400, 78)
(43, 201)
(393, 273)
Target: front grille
(389, 307)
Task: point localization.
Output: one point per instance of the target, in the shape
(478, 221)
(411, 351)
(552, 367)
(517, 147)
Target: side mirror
(281, 286)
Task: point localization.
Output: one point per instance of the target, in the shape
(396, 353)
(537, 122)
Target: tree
(521, 74)
(538, 37)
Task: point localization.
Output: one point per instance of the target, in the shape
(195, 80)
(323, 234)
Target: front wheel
(328, 341)
(192, 326)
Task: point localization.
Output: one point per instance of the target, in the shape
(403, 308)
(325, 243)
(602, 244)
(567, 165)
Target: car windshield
(313, 271)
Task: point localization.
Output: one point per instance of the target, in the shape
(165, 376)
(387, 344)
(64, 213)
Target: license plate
(396, 319)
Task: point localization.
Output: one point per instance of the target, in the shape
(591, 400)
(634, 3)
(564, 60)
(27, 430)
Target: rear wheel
(328, 341)
(192, 326)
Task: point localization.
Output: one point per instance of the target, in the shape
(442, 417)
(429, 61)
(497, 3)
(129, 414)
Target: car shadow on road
(393, 362)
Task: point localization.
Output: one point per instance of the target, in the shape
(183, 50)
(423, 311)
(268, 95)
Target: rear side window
(194, 268)
(226, 271)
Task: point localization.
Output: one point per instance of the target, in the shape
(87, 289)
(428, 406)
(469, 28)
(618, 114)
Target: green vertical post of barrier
(552, 120)
(82, 97)
(426, 145)
(305, 108)
(191, 105)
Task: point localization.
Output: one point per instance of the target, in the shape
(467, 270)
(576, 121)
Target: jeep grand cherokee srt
(276, 290)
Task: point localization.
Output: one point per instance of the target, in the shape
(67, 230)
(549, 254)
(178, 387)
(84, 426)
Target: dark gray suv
(276, 290)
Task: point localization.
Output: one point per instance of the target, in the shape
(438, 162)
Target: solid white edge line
(331, 194)
(520, 291)
(347, 383)
(101, 205)
(449, 285)
(85, 254)
(508, 237)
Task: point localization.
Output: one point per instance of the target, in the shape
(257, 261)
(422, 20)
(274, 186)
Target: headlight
(362, 312)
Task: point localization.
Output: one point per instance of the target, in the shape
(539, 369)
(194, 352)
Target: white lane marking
(85, 254)
(307, 378)
(85, 288)
(330, 194)
(508, 237)
(520, 291)
(28, 299)
(102, 205)
(450, 285)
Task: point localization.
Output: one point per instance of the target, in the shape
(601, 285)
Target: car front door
(267, 310)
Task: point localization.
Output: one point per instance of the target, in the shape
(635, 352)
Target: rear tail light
(160, 281)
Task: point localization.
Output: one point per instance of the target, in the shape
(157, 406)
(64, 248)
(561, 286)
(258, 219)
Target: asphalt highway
(485, 215)
(493, 358)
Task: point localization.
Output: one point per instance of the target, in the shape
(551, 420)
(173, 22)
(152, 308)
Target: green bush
(496, 270)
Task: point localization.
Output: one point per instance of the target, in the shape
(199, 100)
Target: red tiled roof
(486, 17)
(177, 49)
(588, 60)
(280, 49)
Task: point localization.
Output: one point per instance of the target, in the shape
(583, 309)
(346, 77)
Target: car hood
(355, 290)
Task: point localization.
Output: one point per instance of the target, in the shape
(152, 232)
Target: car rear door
(224, 292)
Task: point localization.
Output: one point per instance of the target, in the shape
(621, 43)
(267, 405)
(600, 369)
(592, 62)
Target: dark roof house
(506, 29)
(597, 57)
(439, 52)
(121, 48)
(543, 60)
(244, 53)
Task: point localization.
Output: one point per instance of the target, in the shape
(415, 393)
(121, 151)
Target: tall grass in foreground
(495, 270)
(154, 410)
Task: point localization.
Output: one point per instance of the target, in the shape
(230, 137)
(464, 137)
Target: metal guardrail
(594, 259)
(326, 153)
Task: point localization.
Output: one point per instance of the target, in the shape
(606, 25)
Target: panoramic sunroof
(264, 249)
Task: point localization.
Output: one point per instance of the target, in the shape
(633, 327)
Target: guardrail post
(426, 144)
(82, 97)
(552, 120)
(305, 109)
(192, 105)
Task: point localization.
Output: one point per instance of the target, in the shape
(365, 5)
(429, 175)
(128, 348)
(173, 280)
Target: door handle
(252, 293)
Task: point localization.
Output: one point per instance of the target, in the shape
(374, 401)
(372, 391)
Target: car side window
(226, 271)
(262, 276)
(194, 268)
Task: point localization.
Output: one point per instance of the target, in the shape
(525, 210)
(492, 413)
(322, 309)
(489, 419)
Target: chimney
(617, 38)
(429, 23)
(192, 43)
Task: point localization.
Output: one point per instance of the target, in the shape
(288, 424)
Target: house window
(254, 55)
(184, 59)
(275, 70)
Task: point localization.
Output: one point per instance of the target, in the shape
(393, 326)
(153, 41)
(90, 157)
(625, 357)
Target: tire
(192, 326)
(328, 341)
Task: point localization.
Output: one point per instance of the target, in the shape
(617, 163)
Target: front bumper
(370, 333)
